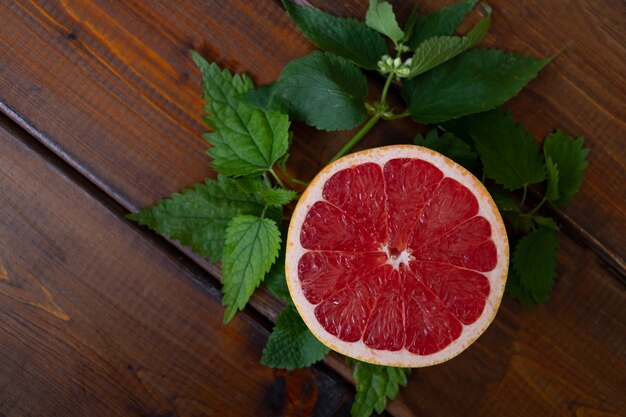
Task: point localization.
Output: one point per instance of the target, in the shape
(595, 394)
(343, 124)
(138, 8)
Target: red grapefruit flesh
(396, 256)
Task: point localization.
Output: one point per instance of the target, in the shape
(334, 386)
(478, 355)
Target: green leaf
(250, 184)
(275, 280)
(552, 191)
(380, 17)
(513, 283)
(198, 217)
(569, 155)
(520, 223)
(277, 196)
(509, 153)
(534, 260)
(291, 344)
(437, 50)
(475, 81)
(441, 22)
(246, 140)
(548, 222)
(252, 244)
(515, 290)
(374, 386)
(409, 25)
(264, 97)
(348, 38)
(450, 146)
(503, 200)
(322, 89)
(220, 86)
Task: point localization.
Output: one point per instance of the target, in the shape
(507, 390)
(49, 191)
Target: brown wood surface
(99, 320)
(109, 87)
(117, 94)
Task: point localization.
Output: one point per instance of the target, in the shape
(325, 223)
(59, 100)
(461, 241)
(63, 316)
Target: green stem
(398, 116)
(383, 96)
(277, 178)
(543, 200)
(357, 137)
(521, 204)
(266, 180)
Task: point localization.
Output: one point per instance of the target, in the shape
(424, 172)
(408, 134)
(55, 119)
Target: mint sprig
(509, 153)
(439, 49)
(275, 280)
(380, 17)
(569, 157)
(349, 38)
(450, 146)
(533, 266)
(473, 82)
(246, 140)
(252, 244)
(277, 196)
(238, 218)
(440, 23)
(291, 344)
(375, 385)
(198, 217)
(321, 89)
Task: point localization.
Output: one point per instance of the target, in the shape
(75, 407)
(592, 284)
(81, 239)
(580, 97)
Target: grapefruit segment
(324, 221)
(324, 273)
(462, 291)
(360, 191)
(385, 329)
(468, 246)
(346, 312)
(450, 205)
(430, 326)
(396, 256)
(409, 184)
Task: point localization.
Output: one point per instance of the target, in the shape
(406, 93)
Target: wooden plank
(108, 92)
(111, 88)
(97, 320)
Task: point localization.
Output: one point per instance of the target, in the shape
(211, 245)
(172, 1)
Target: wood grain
(109, 87)
(116, 93)
(97, 320)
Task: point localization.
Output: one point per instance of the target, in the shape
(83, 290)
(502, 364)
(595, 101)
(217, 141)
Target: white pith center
(394, 260)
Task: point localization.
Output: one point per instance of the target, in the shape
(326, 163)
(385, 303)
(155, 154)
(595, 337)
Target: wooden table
(99, 317)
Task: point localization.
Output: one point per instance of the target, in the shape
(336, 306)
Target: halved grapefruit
(396, 256)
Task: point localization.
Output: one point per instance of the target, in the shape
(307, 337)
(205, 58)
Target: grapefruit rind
(496, 277)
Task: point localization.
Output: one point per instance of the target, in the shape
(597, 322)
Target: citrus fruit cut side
(396, 256)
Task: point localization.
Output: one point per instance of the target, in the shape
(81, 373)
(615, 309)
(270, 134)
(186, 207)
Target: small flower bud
(397, 62)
